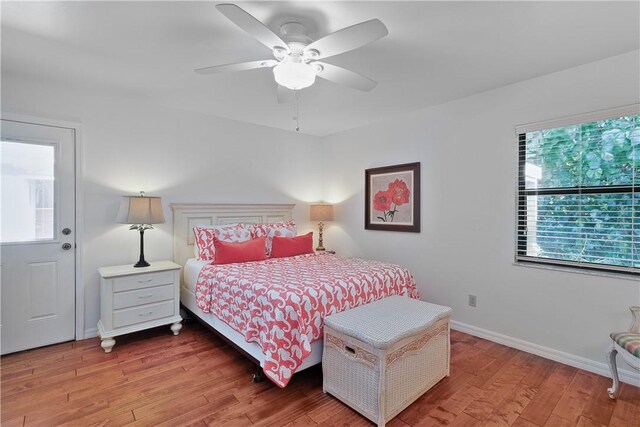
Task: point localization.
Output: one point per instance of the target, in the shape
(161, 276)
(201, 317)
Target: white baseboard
(90, 333)
(626, 376)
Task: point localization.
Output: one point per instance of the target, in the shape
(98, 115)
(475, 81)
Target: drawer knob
(148, 313)
(145, 296)
(145, 280)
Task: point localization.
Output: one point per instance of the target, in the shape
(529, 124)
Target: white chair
(627, 344)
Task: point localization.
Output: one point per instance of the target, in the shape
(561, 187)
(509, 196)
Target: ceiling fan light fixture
(295, 74)
(296, 54)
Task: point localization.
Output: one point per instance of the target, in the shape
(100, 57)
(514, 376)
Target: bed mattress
(192, 270)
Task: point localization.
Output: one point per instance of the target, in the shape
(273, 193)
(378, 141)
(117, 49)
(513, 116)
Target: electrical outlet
(472, 300)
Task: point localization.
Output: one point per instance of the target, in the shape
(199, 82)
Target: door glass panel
(27, 191)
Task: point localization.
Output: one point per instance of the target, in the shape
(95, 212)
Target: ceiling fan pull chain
(296, 111)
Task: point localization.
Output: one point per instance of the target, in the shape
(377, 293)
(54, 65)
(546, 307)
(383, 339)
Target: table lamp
(140, 211)
(321, 213)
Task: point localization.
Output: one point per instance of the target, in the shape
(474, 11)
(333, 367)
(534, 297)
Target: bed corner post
(258, 375)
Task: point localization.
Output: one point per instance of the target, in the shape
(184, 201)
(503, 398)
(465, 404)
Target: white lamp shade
(321, 212)
(294, 75)
(140, 210)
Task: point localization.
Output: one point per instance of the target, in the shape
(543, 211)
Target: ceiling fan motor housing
(295, 35)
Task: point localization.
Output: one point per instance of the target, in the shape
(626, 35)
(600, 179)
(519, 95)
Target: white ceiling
(435, 52)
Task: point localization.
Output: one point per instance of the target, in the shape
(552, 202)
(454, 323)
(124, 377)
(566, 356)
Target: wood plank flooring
(155, 379)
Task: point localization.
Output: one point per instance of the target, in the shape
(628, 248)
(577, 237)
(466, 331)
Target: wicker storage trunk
(380, 357)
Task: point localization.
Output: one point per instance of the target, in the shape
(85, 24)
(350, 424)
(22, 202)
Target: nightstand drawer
(143, 313)
(142, 281)
(143, 296)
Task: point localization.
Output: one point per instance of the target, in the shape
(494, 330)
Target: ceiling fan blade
(285, 95)
(345, 77)
(240, 66)
(349, 38)
(252, 26)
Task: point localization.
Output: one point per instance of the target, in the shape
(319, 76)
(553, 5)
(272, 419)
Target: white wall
(129, 145)
(467, 149)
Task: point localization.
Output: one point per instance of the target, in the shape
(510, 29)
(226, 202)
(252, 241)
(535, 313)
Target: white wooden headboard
(188, 215)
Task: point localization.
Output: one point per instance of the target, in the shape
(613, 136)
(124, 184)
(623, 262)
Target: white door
(37, 219)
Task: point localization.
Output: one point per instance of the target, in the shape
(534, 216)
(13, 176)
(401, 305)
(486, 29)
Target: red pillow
(292, 246)
(229, 252)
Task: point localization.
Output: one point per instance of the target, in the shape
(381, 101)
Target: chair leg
(615, 388)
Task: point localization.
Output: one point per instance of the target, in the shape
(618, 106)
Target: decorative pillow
(280, 229)
(251, 250)
(292, 246)
(204, 248)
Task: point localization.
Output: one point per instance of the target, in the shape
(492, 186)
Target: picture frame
(392, 198)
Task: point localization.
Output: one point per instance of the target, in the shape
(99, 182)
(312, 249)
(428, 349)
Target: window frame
(520, 248)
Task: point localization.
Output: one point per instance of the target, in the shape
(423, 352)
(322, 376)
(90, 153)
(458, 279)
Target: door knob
(66, 231)
(66, 246)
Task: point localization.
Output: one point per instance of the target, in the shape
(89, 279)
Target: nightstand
(133, 299)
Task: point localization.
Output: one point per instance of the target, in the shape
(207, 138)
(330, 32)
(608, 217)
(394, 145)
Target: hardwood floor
(153, 378)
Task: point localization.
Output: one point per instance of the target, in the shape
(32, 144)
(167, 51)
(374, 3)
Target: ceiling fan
(296, 62)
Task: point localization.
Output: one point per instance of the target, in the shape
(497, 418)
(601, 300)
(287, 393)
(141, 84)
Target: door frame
(79, 220)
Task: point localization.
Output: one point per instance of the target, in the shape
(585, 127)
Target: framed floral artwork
(392, 198)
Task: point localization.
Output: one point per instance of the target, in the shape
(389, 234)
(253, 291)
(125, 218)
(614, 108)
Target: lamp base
(141, 263)
(320, 242)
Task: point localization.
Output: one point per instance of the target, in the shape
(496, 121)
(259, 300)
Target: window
(43, 195)
(27, 190)
(579, 192)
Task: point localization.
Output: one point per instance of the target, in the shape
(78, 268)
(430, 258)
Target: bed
(272, 310)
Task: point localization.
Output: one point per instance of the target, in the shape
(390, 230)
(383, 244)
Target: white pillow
(269, 230)
(203, 247)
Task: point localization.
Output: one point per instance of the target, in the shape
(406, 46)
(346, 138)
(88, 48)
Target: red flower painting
(382, 201)
(397, 194)
(392, 198)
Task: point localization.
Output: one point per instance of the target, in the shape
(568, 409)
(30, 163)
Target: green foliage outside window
(601, 223)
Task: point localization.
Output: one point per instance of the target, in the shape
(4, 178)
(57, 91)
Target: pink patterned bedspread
(280, 303)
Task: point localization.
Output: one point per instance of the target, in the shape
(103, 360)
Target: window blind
(579, 194)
